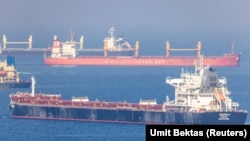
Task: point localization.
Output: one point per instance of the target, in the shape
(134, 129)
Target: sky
(137, 19)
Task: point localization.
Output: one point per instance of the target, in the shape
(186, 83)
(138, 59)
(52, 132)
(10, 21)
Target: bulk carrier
(201, 97)
(117, 52)
(17, 50)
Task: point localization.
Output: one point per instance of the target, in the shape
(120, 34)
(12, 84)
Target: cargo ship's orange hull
(225, 60)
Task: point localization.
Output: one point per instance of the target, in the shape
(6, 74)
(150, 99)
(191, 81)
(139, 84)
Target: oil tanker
(117, 52)
(201, 97)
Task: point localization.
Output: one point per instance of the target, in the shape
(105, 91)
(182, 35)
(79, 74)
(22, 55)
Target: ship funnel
(10, 61)
(56, 42)
(33, 82)
(55, 37)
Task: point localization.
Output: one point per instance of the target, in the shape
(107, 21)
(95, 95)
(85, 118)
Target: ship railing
(173, 107)
(37, 99)
(80, 99)
(123, 107)
(57, 101)
(235, 106)
(147, 102)
(174, 82)
(112, 105)
(120, 49)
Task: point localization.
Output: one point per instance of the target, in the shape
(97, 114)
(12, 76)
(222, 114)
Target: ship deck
(56, 101)
(52, 100)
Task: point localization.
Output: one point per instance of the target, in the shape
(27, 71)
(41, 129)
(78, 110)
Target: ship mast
(71, 35)
(232, 48)
(33, 82)
(111, 32)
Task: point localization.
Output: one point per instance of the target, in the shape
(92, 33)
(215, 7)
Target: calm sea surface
(102, 83)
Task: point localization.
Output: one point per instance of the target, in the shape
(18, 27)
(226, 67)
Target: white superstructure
(70, 49)
(66, 49)
(113, 43)
(201, 90)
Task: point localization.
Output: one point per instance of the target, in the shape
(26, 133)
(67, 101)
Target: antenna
(111, 31)
(71, 35)
(33, 82)
(30, 42)
(81, 42)
(233, 47)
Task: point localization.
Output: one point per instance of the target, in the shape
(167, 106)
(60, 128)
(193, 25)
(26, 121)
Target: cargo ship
(201, 97)
(117, 52)
(18, 48)
(9, 77)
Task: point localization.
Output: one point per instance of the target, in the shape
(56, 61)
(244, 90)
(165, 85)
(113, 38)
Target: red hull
(225, 60)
